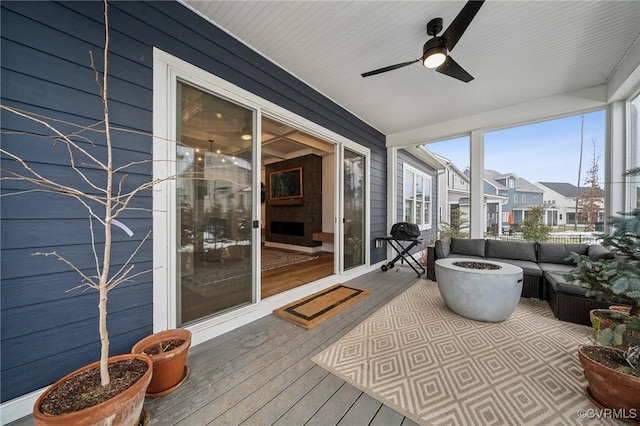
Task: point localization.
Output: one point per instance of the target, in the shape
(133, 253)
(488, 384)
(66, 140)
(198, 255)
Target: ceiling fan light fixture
(434, 57)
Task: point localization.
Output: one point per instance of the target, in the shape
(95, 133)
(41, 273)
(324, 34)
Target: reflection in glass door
(354, 168)
(214, 205)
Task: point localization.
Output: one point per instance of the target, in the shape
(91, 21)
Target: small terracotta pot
(620, 308)
(122, 409)
(605, 322)
(610, 388)
(169, 369)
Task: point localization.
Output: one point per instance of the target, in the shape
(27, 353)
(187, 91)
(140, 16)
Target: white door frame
(167, 70)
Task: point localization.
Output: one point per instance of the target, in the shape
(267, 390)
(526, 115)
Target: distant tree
(589, 201)
(533, 228)
(458, 228)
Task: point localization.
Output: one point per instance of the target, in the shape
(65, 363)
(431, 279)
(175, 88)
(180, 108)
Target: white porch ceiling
(518, 51)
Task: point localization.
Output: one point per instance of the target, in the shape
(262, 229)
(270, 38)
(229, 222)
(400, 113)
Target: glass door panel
(214, 205)
(354, 168)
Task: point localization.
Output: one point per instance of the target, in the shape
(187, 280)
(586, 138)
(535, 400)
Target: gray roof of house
(566, 189)
(521, 184)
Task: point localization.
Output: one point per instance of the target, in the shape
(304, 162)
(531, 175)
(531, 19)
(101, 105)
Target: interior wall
(328, 193)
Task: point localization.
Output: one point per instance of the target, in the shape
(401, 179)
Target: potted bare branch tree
(111, 390)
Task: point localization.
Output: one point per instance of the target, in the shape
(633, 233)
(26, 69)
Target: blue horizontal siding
(81, 347)
(45, 69)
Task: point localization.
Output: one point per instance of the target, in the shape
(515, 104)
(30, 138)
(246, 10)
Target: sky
(547, 151)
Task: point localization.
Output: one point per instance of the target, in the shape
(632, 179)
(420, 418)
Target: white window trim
(427, 178)
(166, 70)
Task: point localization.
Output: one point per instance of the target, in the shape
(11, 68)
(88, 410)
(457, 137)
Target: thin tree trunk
(575, 221)
(104, 277)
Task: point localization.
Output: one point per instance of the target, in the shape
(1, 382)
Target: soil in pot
(84, 390)
(606, 357)
(164, 346)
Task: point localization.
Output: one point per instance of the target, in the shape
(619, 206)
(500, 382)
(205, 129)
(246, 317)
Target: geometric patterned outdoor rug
(438, 368)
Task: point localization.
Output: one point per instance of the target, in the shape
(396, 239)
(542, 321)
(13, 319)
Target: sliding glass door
(213, 204)
(354, 169)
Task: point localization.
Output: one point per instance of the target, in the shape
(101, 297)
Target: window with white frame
(417, 197)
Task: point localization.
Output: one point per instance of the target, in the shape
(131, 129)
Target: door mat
(312, 310)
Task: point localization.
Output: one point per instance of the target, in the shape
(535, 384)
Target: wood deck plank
(235, 388)
(361, 412)
(387, 417)
(305, 408)
(269, 403)
(262, 373)
(336, 407)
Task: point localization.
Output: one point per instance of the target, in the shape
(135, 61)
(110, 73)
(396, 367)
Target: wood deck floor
(262, 374)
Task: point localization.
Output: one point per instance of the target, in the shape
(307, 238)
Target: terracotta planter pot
(610, 388)
(122, 409)
(620, 308)
(169, 369)
(605, 322)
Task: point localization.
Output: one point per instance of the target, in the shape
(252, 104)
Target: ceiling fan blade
(452, 69)
(389, 68)
(460, 23)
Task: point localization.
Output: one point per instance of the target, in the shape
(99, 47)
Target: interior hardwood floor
(278, 280)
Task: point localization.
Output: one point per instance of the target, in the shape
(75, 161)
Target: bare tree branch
(61, 258)
(120, 272)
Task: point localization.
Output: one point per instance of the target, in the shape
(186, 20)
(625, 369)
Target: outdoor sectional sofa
(544, 267)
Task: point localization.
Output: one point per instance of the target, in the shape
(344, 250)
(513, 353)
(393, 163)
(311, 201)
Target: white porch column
(616, 156)
(476, 219)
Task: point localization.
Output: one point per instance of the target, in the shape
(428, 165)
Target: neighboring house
(418, 193)
(453, 186)
(519, 195)
(560, 203)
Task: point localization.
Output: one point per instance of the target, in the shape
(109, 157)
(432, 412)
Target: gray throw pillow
(559, 253)
(516, 250)
(597, 252)
(468, 247)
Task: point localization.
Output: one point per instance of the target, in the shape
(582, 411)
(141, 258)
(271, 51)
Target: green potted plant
(111, 390)
(614, 375)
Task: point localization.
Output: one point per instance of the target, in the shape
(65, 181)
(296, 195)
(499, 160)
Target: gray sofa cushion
(555, 267)
(469, 247)
(528, 267)
(465, 256)
(598, 252)
(559, 253)
(511, 250)
(560, 284)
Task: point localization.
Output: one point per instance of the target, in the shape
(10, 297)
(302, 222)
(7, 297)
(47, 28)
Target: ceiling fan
(435, 52)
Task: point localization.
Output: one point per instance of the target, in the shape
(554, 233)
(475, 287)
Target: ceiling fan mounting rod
(434, 26)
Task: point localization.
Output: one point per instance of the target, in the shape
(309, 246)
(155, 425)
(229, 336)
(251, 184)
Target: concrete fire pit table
(482, 290)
